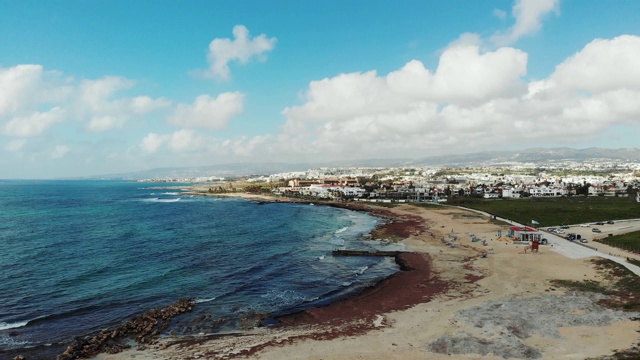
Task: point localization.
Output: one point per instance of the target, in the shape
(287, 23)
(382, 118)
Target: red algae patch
(413, 285)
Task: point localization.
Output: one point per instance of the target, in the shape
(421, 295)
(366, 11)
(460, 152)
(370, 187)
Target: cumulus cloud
(97, 103)
(242, 48)
(152, 142)
(208, 112)
(33, 100)
(33, 124)
(26, 87)
(602, 65)
(528, 15)
(472, 100)
(464, 76)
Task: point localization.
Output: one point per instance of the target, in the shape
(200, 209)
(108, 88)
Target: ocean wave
(11, 342)
(342, 230)
(200, 301)
(170, 193)
(7, 326)
(287, 297)
(158, 200)
(361, 270)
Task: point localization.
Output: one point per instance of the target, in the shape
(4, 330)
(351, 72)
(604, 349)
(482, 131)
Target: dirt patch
(500, 327)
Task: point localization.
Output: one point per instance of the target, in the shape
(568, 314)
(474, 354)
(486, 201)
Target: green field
(629, 241)
(555, 211)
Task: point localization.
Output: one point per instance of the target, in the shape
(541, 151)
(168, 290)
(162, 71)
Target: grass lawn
(629, 241)
(555, 211)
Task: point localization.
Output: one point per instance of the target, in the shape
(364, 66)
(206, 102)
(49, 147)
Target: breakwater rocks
(144, 329)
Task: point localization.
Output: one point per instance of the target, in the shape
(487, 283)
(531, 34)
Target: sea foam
(6, 326)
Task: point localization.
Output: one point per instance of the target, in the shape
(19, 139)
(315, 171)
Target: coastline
(415, 313)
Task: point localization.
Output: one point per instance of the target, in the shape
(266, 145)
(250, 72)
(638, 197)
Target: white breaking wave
(5, 326)
(342, 230)
(200, 301)
(161, 200)
(361, 270)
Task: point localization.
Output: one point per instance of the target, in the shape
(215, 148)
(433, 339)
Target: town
(437, 184)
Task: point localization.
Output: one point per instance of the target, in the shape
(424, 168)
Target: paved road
(575, 250)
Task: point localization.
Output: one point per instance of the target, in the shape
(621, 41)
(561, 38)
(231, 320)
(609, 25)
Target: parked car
(596, 230)
(583, 240)
(564, 227)
(573, 236)
(559, 231)
(584, 225)
(610, 222)
(599, 223)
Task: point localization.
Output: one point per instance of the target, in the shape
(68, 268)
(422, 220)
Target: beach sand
(448, 302)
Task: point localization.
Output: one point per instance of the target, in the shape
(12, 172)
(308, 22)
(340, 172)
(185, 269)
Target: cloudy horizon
(112, 87)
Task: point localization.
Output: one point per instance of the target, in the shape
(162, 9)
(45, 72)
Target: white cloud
(528, 15)
(33, 100)
(16, 85)
(242, 48)
(145, 104)
(152, 142)
(186, 141)
(207, 112)
(34, 124)
(464, 76)
(23, 88)
(473, 100)
(602, 65)
(500, 14)
(104, 123)
(60, 151)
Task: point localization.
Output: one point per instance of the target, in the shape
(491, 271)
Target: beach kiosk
(526, 233)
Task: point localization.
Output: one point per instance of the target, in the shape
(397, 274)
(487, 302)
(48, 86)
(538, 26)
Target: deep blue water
(79, 256)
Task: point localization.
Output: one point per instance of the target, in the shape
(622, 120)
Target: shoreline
(413, 266)
(437, 306)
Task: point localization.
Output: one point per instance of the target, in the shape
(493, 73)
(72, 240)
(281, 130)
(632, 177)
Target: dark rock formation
(144, 328)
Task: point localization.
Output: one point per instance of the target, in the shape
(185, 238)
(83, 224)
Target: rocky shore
(144, 329)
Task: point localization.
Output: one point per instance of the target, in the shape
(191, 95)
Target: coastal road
(576, 250)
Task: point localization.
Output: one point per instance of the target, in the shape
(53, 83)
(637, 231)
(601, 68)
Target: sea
(80, 256)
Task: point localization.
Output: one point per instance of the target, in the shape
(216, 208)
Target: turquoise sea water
(79, 256)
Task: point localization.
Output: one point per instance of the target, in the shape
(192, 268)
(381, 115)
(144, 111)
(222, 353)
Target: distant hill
(539, 156)
(535, 155)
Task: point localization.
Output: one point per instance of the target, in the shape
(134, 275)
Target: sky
(96, 87)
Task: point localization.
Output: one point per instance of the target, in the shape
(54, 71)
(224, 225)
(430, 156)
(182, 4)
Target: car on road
(610, 222)
(584, 241)
(584, 225)
(596, 230)
(564, 227)
(559, 231)
(599, 223)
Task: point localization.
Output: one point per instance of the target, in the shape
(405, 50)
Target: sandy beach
(448, 301)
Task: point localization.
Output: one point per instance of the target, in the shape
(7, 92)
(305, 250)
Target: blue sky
(101, 87)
